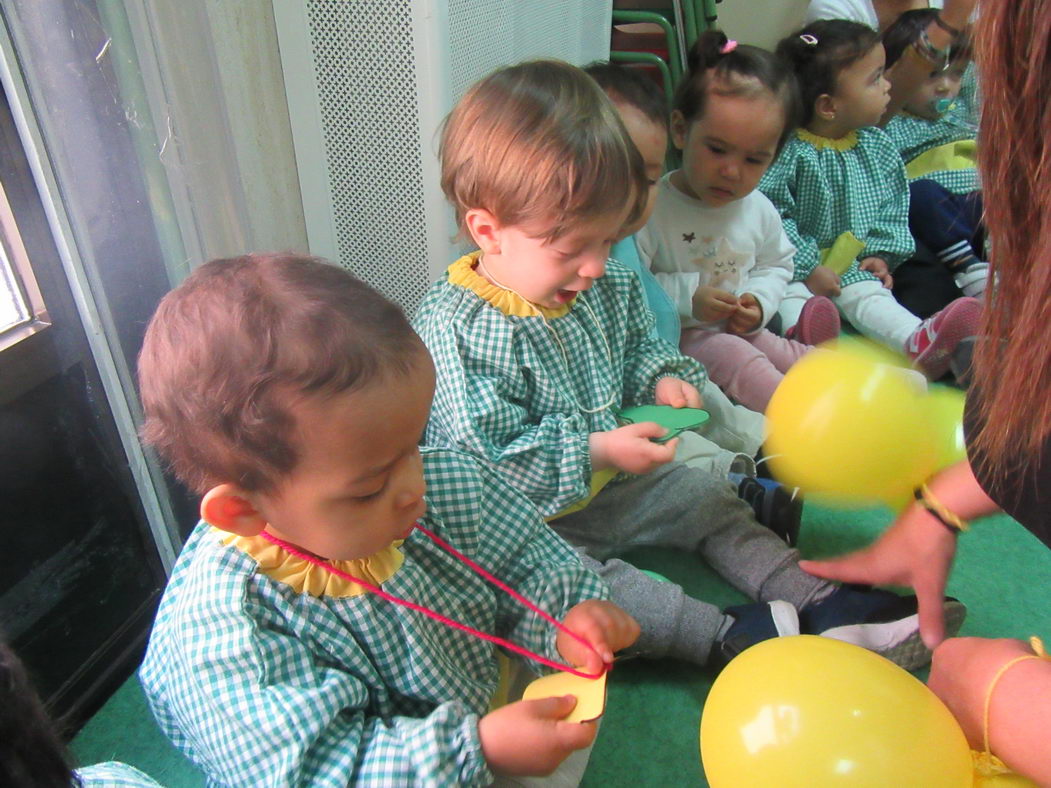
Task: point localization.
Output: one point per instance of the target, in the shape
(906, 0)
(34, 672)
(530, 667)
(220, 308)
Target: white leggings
(868, 306)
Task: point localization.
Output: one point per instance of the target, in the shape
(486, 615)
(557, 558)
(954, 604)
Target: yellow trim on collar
(304, 577)
(462, 274)
(846, 142)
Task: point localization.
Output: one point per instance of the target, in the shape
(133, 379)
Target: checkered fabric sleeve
(525, 393)
(825, 188)
(261, 685)
(889, 237)
(485, 399)
(913, 136)
(517, 546)
(781, 184)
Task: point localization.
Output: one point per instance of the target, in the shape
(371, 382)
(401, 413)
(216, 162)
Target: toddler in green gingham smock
(914, 136)
(265, 670)
(841, 201)
(523, 386)
(945, 213)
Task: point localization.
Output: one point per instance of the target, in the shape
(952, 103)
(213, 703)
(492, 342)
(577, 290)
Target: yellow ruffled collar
(846, 142)
(304, 577)
(462, 274)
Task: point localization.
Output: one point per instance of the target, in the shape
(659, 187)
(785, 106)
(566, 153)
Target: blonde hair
(1012, 367)
(540, 142)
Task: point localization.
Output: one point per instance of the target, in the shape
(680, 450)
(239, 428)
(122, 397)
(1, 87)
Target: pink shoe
(932, 344)
(818, 322)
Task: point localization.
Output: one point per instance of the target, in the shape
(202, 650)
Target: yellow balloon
(1003, 781)
(945, 406)
(811, 712)
(849, 427)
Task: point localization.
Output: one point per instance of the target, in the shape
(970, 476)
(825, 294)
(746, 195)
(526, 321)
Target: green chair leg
(650, 59)
(651, 17)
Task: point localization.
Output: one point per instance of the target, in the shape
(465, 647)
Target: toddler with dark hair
(936, 138)
(292, 397)
(840, 188)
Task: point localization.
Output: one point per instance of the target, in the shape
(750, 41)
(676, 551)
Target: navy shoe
(878, 620)
(777, 507)
(753, 624)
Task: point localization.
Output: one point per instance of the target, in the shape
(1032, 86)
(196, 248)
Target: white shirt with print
(740, 247)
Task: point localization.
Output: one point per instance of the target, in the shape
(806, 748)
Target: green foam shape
(675, 420)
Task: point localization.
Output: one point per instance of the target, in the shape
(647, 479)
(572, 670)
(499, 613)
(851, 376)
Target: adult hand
(602, 624)
(877, 266)
(531, 737)
(677, 393)
(748, 316)
(916, 551)
(630, 448)
(823, 282)
(710, 304)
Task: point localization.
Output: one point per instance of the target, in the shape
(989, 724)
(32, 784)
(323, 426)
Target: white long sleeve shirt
(740, 247)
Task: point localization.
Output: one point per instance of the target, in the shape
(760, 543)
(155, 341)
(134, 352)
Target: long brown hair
(1013, 361)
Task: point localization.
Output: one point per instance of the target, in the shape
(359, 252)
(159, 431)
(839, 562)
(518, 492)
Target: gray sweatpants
(687, 509)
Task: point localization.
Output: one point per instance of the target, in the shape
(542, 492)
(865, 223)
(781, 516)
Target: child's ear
(484, 229)
(678, 129)
(232, 509)
(825, 107)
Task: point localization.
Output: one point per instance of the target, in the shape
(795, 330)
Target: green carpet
(649, 735)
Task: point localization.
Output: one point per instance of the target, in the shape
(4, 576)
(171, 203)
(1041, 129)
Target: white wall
(760, 22)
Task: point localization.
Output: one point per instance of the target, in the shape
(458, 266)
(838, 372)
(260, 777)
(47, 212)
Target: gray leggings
(688, 509)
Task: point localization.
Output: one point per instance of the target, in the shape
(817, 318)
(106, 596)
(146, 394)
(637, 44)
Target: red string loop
(312, 559)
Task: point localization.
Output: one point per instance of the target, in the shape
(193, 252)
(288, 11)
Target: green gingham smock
(914, 136)
(263, 686)
(824, 188)
(507, 394)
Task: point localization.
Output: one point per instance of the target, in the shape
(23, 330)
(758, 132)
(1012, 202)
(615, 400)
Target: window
(22, 309)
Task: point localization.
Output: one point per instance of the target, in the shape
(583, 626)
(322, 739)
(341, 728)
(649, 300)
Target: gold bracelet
(949, 519)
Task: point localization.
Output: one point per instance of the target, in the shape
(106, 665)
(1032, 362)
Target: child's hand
(630, 449)
(529, 737)
(877, 266)
(823, 282)
(602, 624)
(710, 304)
(747, 317)
(677, 393)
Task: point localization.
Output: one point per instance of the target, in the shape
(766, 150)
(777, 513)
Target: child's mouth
(565, 296)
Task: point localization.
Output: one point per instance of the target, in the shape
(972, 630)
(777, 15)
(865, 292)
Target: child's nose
(593, 267)
(411, 485)
(731, 171)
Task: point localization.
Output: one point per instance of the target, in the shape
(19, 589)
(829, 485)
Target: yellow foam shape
(590, 694)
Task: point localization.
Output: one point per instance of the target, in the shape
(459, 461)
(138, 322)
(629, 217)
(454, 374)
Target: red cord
(446, 620)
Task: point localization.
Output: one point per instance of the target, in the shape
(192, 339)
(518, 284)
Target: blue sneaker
(777, 507)
(753, 624)
(878, 620)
